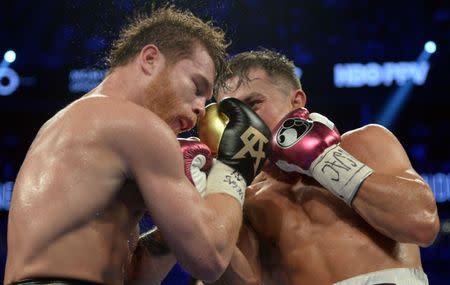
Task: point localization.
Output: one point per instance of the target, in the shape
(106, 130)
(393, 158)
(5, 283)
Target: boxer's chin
(175, 126)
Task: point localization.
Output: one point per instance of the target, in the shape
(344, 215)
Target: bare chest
(277, 210)
(304, 233)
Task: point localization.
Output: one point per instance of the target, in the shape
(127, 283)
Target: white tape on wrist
(339, 172)
(224, 179)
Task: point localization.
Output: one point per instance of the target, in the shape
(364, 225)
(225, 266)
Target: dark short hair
(276, 65)
(175, 33)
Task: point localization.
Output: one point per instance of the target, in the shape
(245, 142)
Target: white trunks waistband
(397, 276)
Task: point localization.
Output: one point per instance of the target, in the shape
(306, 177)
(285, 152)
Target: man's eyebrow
(254, 78)
(252, 95)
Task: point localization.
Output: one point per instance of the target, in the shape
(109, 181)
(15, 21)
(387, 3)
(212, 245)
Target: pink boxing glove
(298, 141)
(309, 144)
(198, 161)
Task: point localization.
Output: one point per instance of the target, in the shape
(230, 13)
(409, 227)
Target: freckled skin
(86, 220)
(96, 166)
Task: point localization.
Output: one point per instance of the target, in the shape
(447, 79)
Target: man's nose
(199, 108)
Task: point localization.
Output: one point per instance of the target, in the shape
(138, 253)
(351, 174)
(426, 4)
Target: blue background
(52, 38)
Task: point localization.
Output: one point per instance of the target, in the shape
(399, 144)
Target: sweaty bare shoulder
(377, 147)
(80, 158)
(136, 134)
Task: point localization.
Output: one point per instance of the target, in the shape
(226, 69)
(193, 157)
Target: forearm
(219, 218)
(400, 207)
(224, 221)
(151, 260)
(239, 272)
(244, 267)
(209, 239)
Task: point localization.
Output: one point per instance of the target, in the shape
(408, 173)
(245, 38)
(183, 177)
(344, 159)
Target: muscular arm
(395, 200)
(200, 232)
(244, 268)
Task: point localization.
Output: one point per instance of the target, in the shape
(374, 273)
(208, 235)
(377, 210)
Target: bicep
(167, 193)
(152, 157)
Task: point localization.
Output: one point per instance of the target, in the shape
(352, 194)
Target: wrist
(340, 172)
(226, 180)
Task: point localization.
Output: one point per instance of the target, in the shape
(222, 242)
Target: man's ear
(298, 98)
(149, 58)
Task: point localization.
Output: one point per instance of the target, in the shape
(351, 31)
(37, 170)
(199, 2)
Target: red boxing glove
(298, 141)
(309, 144)
(197, 161)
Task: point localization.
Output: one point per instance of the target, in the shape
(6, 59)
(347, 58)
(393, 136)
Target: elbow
(210, 268)
(428, 233)
(209, 262)
(212, 254)
(427, 229)
(216, 271)
(427, 224)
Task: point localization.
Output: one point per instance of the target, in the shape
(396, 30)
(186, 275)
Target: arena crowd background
(360, 61)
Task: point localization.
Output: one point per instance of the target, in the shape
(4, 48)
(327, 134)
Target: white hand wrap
(339, 172)
(226, 180)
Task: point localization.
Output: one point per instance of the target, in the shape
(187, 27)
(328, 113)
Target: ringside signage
(372, 74)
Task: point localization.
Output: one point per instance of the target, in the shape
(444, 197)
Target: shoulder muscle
(139, 137)
(377, 147)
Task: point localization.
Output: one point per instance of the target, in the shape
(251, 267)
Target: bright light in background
(430, 47)
(9, 81)
(398, 99)
(298, 72)
(10, 56)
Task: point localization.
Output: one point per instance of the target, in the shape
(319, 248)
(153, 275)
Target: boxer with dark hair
(97, 165)
(329, 208)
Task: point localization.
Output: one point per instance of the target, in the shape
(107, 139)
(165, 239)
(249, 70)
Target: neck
(122, 83)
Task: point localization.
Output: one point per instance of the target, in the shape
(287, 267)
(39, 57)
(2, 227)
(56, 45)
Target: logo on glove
(292, 130)
(250, 138)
